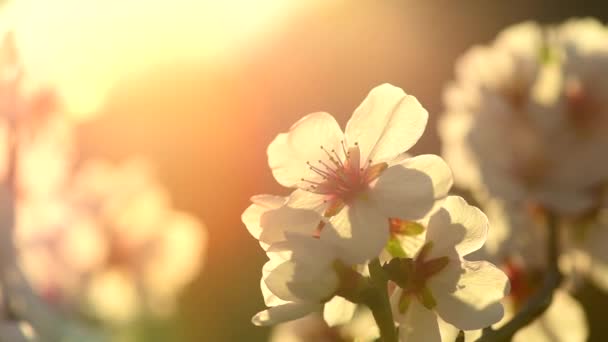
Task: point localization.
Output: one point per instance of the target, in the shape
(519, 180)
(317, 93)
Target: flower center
(343, 178)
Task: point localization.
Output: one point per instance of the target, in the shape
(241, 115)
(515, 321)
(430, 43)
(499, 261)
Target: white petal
(363, 326)
(270, 299)
(419, 324)
(359, 231)
(303, 249)
(276, 223)
(338, 311)
(305, 269)
(564, 321)
(284, 313)
(289, 152)
(457, 226)
(472, 301)
(252, 215)
(448, 332)
(411, 190)
(295, 281)
(302, 199)
(388, 122)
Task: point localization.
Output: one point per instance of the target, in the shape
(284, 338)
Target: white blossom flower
(520, 105)
(351, 177)
(302, 274)
(438, 285)
(362, 328)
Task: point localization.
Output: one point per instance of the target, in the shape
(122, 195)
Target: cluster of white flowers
(87, 247)
(520, 105)
(525, 132)
(359, 198)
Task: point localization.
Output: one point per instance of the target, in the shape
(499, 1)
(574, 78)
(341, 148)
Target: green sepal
(426, 298)
(394, 248)
(404, 302)
(399, 270)
(434, 266)
(351, 283)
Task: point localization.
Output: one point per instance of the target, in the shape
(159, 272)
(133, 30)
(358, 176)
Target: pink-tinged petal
(388, 122)
(284, 313)
(289, 152)
(469, 296)
(358, 231)
(419, 324)
(251, 217)
(413, 189)
(456, 226)
(338, 311)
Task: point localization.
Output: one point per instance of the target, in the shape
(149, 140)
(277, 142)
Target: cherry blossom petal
(276, 223)
(338, 311)
(251, 217)
(302, 199)
(307, 274)
(458, 226)
(359, 231)
(412, 189)
(419, 324)
(388, 122)
(470, 300)
(284, 313)
(293, 281)
(270, 299)
(289, 152)
(448, 331)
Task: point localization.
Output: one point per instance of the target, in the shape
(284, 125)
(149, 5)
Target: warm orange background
(207, 127)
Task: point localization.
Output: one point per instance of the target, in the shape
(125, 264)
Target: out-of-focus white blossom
(362, 328)
(110, 245)
(351, 178)
(564, 320)
(526, 116)
(439, 286)
(520, 234)
(32, 120)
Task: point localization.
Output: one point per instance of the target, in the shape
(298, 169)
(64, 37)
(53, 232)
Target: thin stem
(542, 300)
(378, 302)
